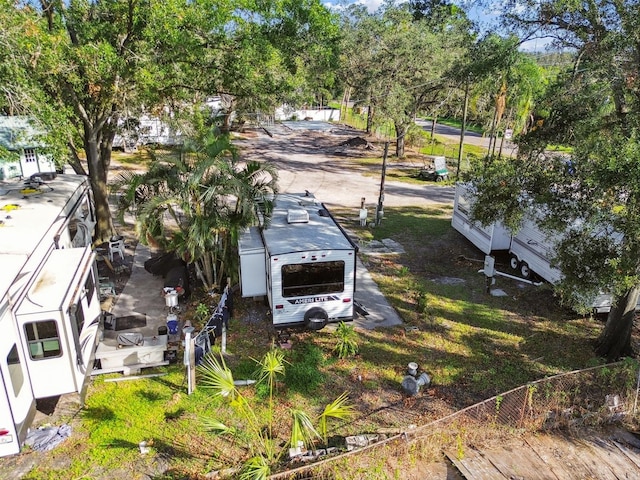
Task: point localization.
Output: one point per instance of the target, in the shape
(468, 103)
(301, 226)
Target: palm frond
(218, 428)
(271, 365)
(256, 468)
(215, 376)
(302, 429)
(338, 409)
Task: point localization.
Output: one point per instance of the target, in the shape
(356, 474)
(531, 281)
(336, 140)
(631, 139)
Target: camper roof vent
(297, 215)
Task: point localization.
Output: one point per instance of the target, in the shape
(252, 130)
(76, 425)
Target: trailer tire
(514, 263)
(316, 318)
(525, 271)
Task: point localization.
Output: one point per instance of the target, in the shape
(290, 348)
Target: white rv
(49, 306)
(303, 262)
(487, 239)
(531, 251)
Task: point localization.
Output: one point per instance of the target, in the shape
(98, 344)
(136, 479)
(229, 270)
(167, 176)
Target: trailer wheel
(439, 178)
(316, 318)
(514, 263)
(525, 271)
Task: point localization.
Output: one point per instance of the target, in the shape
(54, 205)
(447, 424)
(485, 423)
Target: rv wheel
(513, 262)
(316, 318)
(525, 271)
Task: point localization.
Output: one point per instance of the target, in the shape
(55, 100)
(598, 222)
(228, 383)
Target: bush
(417, 136)
(346, 344)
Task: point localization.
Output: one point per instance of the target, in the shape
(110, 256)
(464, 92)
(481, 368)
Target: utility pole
(380, 208)
(464, 127)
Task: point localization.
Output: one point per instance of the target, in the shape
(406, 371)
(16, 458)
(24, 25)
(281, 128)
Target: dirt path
(312, 159)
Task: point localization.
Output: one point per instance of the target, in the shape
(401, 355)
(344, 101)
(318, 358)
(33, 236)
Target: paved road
(453, 135)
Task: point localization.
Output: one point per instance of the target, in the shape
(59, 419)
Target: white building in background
(26, 155)
(323, 114)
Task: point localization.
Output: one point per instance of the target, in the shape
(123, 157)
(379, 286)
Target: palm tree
(195, 203)
(215, 376)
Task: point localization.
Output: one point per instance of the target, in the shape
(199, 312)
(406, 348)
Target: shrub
(346, 344)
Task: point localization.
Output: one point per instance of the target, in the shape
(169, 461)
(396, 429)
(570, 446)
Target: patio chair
(116, 245)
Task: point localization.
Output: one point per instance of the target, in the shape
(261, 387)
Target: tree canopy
(397, 63)
(81, 67)
(591, 194)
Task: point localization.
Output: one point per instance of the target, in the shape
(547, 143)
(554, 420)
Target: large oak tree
(80, 67)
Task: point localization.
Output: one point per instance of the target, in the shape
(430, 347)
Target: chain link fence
(586, 398)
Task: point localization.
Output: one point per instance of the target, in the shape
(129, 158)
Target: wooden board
(551, 457)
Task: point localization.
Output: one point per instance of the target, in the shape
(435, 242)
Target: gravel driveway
(308, 156)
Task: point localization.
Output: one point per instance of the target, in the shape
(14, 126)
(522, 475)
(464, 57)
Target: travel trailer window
(76, 312)
(463, 204)
(312, 278)
(15, 370)
(89, 287)
(43, 339)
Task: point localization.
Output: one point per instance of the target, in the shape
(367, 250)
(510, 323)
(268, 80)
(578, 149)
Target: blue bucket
(172, 324)
(172, 327)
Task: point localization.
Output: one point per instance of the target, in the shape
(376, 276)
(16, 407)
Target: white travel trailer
(49, 306)
(303, 262)
(531, 252)
(487, 239)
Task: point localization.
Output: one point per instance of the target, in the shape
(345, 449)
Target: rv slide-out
(487, 239)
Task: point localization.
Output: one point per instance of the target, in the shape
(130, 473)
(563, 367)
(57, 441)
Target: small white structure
(323, 114)
(19, 136)
(487, 239)
(304, 263)
(49, 306)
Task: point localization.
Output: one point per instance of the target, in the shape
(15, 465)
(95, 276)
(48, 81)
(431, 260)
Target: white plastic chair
(116, 246)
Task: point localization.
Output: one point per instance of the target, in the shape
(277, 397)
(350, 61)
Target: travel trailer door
(17, 403)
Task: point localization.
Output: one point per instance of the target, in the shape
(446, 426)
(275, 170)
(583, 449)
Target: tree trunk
(226, 119)
(463, 128)
(370, 113)
(401, 133)
(615, 340)
(98, 178)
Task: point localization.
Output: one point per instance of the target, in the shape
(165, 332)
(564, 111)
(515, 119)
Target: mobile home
(49, 306)
(487, 239)
(303, 262)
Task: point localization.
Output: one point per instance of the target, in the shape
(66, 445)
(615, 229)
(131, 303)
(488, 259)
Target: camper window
(15, 370)
(43, 339)
(303, 279)
(76, 313)
(463, 204)
(89, 287)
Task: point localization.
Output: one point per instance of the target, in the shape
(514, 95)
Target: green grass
(472, 345)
